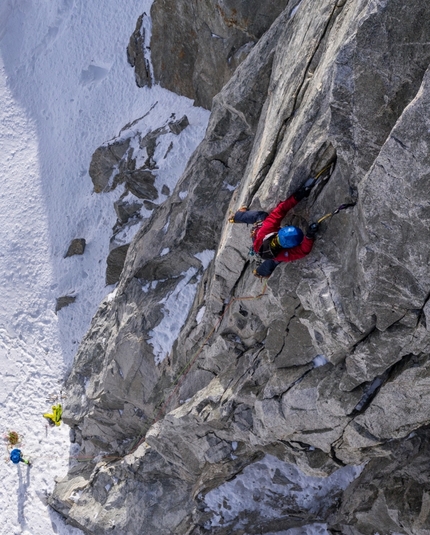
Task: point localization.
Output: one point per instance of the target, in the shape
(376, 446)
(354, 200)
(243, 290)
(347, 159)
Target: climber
(54, 418)
(273, 243)
(16, 457)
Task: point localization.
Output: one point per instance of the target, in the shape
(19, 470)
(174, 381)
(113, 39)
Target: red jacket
(272, 223)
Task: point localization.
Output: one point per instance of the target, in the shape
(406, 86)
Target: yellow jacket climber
(55, 417)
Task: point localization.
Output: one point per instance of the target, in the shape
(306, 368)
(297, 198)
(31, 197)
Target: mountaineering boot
(241, 209)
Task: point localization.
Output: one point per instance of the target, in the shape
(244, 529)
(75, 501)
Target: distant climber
(16, 457)
(54, 418)
(273, 243)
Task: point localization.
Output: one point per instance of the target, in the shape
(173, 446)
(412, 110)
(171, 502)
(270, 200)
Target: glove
(312, 230)
(305, 189)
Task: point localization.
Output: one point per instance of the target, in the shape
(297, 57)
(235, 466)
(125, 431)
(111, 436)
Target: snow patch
(228, 186)
(266, 484)
(205, 257)
(294, 10)
(177, 305)
(320, 360)
(200, 315)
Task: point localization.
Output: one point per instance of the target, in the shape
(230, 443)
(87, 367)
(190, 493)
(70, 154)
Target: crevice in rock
(372, 389)
(369, 394)
(307, 75)
(334, 456)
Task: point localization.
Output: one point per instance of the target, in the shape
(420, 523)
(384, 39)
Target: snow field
(65, 88)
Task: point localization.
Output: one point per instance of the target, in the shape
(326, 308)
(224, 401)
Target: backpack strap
(270, 248)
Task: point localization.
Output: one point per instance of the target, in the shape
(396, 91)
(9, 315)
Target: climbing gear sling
(341, 207)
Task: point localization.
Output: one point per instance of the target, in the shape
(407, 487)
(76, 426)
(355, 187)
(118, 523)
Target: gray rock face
(138, 53)
(194, 370)
(64, 301)
(392, 493)
(76, 247)
(197, 45)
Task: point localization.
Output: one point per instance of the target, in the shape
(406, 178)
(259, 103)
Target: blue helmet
(290, 237)
(15, 456)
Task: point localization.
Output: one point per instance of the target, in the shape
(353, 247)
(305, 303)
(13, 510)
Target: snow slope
(65, 88)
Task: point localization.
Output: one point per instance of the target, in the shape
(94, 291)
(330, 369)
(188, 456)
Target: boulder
(64, 301)
(76, 247)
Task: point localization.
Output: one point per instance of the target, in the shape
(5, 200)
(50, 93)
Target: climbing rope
(326, 168)
(164, 403)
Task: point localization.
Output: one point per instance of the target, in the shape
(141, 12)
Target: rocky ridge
(327, 367)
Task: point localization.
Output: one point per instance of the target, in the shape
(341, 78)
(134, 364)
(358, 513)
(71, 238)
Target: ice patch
(294, 10)
(110, 297)
(205, 257)
(176, 307)
(266, 484)
(200, 315)
(147, 33)
(228, 186)
(320, 360)
(165, 251)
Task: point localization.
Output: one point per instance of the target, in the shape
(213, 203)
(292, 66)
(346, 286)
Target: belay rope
(177, 382)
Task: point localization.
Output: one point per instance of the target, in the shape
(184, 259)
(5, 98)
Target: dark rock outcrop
(64, 301)
(76, 247)
(115, 263)
(197, 45)
(138, 53)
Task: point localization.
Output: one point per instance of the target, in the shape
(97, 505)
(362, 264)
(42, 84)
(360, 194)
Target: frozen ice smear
(176, 307)
(205, 257)
(66, 88)
(274, 488)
